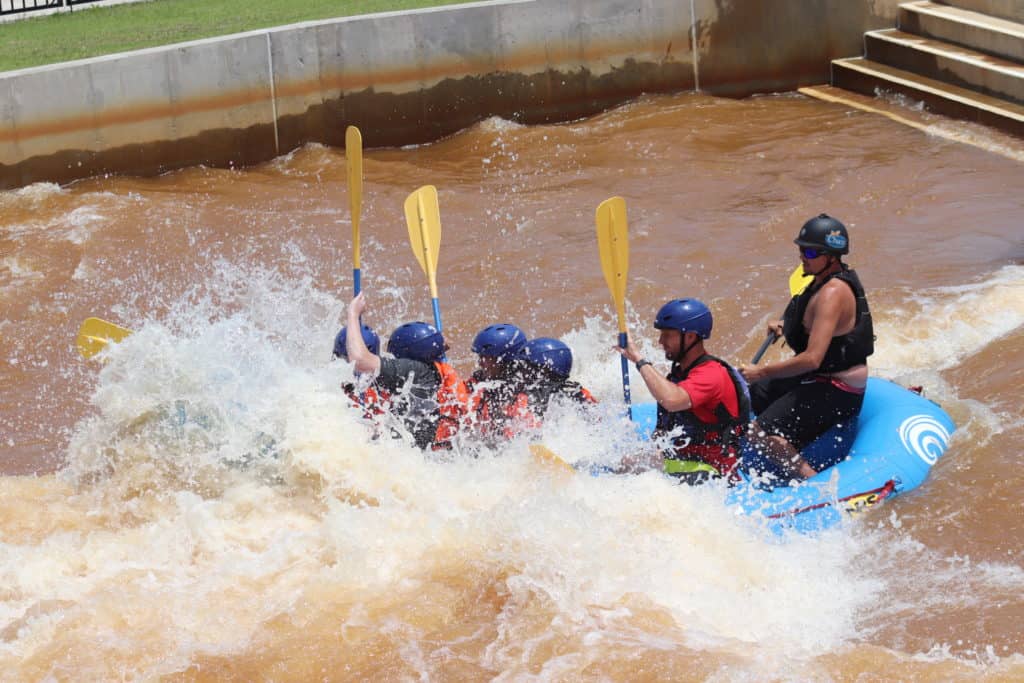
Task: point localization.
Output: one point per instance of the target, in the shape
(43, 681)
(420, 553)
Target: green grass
(104, 30)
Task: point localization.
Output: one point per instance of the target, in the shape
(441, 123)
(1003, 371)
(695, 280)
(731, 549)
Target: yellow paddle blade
(424, 221)
(613, 243)
(798, 282)
(354, 162)
(546, 457)
(95, 334)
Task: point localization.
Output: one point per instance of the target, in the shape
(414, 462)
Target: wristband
(641, 363)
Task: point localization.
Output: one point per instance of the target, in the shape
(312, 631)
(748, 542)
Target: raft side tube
(891, 448)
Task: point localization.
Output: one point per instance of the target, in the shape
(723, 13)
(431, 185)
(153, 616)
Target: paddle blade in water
(95, 334)
(546, 457)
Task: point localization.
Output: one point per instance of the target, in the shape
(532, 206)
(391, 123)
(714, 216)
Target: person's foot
(805, 470)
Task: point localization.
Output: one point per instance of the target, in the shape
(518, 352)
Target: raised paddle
(354, 162)
(797, 284)
(613, 244)
(95, 334)
(424, 221)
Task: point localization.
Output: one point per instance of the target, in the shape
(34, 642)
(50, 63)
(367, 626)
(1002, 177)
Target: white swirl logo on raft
(925, 436)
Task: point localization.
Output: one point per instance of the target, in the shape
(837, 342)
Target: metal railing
(8, 7)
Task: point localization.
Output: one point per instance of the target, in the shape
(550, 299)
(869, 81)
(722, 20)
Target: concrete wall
(406, 77)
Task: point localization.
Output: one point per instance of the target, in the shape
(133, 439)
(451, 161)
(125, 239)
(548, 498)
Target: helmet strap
(828, 264)
(685, 350)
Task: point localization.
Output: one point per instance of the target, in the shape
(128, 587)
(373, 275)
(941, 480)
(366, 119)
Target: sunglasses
(812, 253)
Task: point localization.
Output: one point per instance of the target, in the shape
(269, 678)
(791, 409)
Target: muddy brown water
(203, 506)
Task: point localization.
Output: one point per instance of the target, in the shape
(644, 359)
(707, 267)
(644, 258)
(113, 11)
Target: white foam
(34, 194)
(181, 406)
(223, 477)
(940, 327)
(497, 124)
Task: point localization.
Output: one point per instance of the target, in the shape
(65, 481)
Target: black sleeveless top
(845, 351)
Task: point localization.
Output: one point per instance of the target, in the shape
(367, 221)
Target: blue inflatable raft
(894, 443)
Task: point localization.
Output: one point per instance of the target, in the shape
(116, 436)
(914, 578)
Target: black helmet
(826, 233)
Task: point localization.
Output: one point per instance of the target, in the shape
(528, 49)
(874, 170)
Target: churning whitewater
(204, 503)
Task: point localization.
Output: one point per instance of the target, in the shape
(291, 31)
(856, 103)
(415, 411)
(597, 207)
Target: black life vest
(433, 420)
(491, 405)
(541, 392)
(844, 351)
(716, 443)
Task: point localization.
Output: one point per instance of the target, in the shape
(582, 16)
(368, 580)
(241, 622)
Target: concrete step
(865, 76)
(998, 37)
(947, 63)
(1007, 9)
(989, 139)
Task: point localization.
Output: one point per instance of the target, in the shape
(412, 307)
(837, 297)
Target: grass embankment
(91, 32)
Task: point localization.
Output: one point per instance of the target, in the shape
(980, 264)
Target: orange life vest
(583, 395)
(373, 401)
(453, 403)
(518, 417)
(529, 407)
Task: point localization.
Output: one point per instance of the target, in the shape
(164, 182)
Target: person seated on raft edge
(426, 393)
(372, 401)
(543, 372)
(702, 406)
(493, 386)
(829, 328)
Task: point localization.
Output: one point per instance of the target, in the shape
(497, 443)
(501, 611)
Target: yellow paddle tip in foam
(546, 457)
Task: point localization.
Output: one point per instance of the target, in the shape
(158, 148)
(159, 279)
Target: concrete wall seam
(693, 44)
(273, 94)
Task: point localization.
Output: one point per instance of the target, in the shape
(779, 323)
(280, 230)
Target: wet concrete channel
(405, 77)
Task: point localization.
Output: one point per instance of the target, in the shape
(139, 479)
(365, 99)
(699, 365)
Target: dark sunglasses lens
(811, 253)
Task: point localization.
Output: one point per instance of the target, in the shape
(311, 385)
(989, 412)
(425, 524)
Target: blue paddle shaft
(358, 286)
(437, 314)
(768, 341)
(437, 320)
(625, 375)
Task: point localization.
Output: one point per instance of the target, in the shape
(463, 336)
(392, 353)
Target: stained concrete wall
(407, 77)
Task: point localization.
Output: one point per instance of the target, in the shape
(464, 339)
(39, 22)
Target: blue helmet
(499, 341)
(548, 353)
(369, 337)
(685, 315)
(416, 341)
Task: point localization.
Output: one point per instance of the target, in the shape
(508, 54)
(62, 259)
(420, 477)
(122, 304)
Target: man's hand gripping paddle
(798, 282)
(613, 244)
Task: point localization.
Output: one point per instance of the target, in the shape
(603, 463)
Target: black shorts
(800, 409)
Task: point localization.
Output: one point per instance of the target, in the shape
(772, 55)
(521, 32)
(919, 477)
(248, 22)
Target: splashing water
(224, 512)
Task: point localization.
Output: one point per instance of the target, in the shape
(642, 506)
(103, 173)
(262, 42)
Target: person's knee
(760, 396)
(780, 443)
